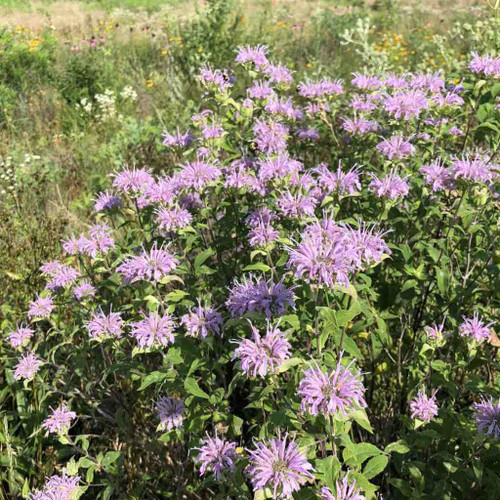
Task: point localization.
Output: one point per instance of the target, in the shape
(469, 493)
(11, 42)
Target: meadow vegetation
(233, 228)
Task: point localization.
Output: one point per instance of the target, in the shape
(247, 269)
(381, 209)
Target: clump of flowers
(170, 411)
(475, 328)
(217, 455)
(60, 420)
(424, 407)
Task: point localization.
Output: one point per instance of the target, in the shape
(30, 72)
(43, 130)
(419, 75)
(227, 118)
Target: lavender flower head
(406, 105)
(20, 336)
(262, 355)
(423, 407)
(277, 73)
(197, 174)
(324, 87)
(214, 80)
(338, 390)
(60, 420)
(344, 490)
(257, 295)
(179, 139)
(154, 330)
(262, 235)
(368, 243)
(474, 168)
(396, 147)
(391, 186)
(435, 333)
(270, 137)
(256, 55)
(342, 182)
(323, 257)
(475, 328)
(170, 411)
(437, 175)
(28, 366)
(61, 277)
(280, 466)
(366, 82)
(58, 488)
(150, 266)
(487, 417)
(132, 180)
(201, 321)
(84, 290)
(42, 307)
(106, 201)
(487, 65)
(359, 125)
(217, 455)
(297, 205)
(102, 326)
(172, 219)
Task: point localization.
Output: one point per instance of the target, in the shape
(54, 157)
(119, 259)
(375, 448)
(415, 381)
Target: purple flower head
(257, 295)
(42, 307)
(321, 88)
(215, 80)
(102, 326)
(473, 168)
(368, 243)
(270, 137)
(20, 336)
(278, 167)
(475, 328)
(280, 466)
(256, 55)
(106, 201)
(315, 108)
(283, 106)
(391, 186)
(161, 191)
(64, 277)
(172, 219)
(277, 73)
(170, 411)
(212, 131)
(179, 139)
(337, 390)
(395, 81)
(448, 99)
(154, 330)
(262, 235)
(197, 174)
(322, 257)
(70, 246)
(455, 131)
(59, 420)
(430, 81)
(132, 180)
(58, 488)
(406, 105)
(28, 366)
(396, 147)
(437, 175)
(217, 455)
(84, 290)
(423, 407)
(487, 65)
(307, 134)
(359, 126)
(366, 82)
(487, 417)
(99, 241)
(435, 333)
(190, 201)
(342, 182)
(201, 321)
(297, 205)
(262, 355)
(260, 216)
(149, 266)
(260, 90)
(364, 103)
(344, 490)
(51, 268)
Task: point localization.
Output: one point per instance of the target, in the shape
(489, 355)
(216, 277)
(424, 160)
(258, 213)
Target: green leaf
(202, 257)
(174, 356)
(191, 386)
(375, 466)
(176, 295)
(361, 419)
(152, 378)
(236, 424)
(110, 458)
(287, 364)
(400, 447)
(258, 266)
